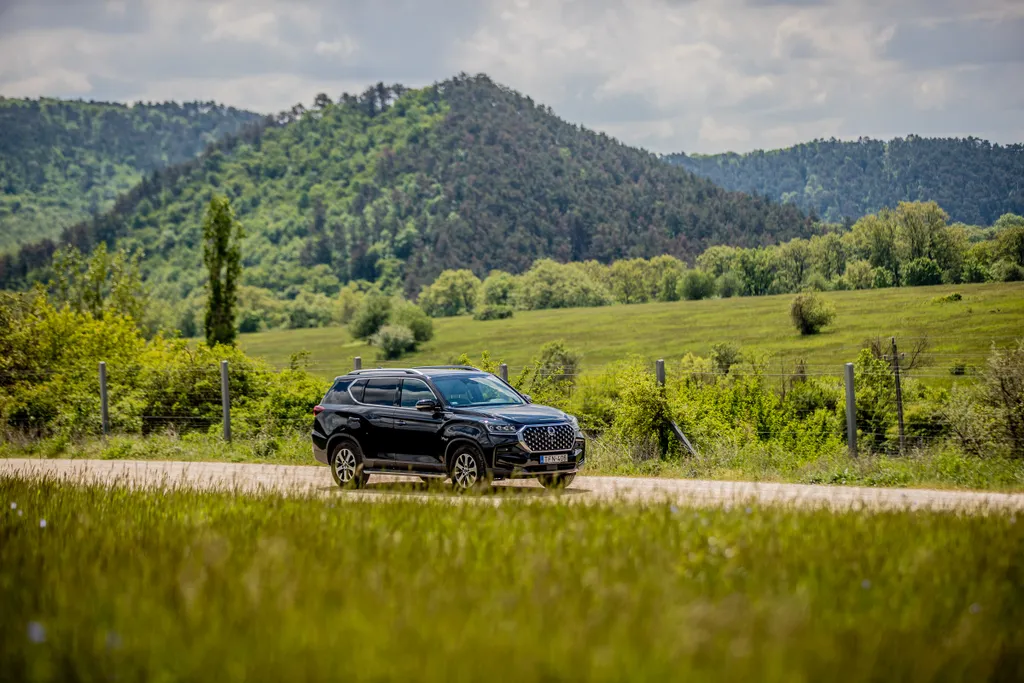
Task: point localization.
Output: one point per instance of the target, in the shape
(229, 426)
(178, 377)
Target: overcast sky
(669, 75)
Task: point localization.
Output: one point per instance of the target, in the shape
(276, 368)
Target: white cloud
(695, 75)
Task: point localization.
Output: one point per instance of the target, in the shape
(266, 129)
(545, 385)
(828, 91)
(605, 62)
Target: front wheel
(347, 466)
(556, 481)
(468, 470)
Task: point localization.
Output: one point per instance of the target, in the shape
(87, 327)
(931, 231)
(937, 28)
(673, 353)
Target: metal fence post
(503, 372)
(659, 372)
(104, 409)
(851, 412)
(357, 363)
(225, 394)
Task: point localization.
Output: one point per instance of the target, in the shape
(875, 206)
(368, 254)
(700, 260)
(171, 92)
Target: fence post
(357, 363)
(503, 372)
(899, 395)
(225, 395)
(851, 412)
(104, 406)
(659, 372)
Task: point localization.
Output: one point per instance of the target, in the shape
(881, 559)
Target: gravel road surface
(317, 480)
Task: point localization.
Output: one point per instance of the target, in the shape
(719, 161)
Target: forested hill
(973, 180)
(62, 160)
(396, 185)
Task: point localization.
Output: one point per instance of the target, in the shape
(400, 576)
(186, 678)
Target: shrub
(729, 284)
(493, 312)
(922, 272)
(881, 278)
(407, 314)
(1004, 394)
(558, 362)
(859, 275)
(1007, 271)
(454, 292)
(811, 313)
(498, 289)
(952, 297)
(725, 355)
(696, 285)
(393, 340)
(373, 313)
(549, 284)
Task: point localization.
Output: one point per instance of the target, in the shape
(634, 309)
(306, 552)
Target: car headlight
(501, 428)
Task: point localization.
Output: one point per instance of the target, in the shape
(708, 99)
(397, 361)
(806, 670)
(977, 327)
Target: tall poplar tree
(222, 254)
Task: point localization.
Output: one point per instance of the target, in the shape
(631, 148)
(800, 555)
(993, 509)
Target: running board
(406, 473)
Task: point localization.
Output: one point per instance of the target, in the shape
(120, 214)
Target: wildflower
(14, 506)
(674, 509)
(865, 584)
(42, 524)
(36, 632)
(750, 510)
(113, 640)
(975, 608)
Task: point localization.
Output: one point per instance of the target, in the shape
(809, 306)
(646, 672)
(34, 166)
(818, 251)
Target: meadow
(169, 585)
(959, 331)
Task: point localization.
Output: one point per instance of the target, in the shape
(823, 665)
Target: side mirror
(529, 399)
(426, 405)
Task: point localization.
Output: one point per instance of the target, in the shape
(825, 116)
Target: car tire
(556, 481)
(467, 469)
(346, 461)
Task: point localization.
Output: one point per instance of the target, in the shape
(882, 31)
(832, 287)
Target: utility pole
(899, 394)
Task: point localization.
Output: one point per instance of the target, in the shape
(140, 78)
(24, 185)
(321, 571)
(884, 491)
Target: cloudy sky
(669, 75)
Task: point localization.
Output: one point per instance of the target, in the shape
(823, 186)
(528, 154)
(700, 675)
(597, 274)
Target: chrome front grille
(545, 438)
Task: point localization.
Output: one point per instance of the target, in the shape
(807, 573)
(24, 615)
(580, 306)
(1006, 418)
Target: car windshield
(476, 390)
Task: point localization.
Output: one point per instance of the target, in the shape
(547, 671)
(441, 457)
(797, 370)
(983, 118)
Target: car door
(418, 432)
(378, 405)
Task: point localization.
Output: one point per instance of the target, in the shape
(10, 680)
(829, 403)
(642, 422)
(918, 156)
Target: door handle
(401, 423)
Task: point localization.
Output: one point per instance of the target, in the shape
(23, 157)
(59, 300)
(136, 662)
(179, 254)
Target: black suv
(442, 421)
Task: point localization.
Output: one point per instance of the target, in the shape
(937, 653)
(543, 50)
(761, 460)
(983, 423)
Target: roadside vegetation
(102, 583)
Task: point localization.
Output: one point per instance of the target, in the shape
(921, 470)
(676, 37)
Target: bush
(407, 314)
(922, 272)
(393, 341)
(696, 285)
(454, 292)
(373, 313)
(493, 312)
(729, 284)
(498, 289)
(725, 355)
(558, 362)
(549, 284)
(881, 278)
(859, 275)
(1007, 271)
(1004, 394)
(811, 313)
(948, 298)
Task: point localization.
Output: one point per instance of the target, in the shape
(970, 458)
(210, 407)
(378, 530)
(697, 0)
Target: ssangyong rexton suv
(440, 422)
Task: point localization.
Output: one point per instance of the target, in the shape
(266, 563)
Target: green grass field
(959, 331)
(113, 584)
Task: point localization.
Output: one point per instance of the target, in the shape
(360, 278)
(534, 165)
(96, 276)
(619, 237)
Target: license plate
(554, 459)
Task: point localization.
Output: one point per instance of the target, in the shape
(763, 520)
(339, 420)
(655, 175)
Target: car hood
(527, 414)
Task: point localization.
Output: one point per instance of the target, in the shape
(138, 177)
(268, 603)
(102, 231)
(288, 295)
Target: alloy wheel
(345, 465)
(465, 472)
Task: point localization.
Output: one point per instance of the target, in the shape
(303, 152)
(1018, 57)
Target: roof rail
(377, 371)
(447, 367)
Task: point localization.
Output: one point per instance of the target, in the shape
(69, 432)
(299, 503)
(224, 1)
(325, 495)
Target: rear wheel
(556, 481)
(468, 470)
(347, 465)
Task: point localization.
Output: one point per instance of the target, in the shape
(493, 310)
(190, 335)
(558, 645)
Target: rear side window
(414, 390)
(339, 392)
(381, 392)
(356, 390)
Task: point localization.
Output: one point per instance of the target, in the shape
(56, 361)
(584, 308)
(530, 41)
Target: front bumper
(512, 461)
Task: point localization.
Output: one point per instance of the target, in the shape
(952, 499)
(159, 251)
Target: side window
(356, 390)
(339, 392)
(381, 392)
(414, 390)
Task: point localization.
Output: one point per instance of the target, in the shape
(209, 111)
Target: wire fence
(901, 418)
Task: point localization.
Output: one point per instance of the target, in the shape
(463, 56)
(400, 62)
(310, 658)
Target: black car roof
(427, 371)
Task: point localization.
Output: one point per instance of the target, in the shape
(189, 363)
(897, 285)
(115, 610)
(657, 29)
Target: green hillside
(959, 331)
(973, 180)
(395, 185)
(61, 161)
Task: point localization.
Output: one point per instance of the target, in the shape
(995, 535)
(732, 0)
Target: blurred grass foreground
(169, 585)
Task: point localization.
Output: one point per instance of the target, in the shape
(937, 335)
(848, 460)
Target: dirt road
(303, 479)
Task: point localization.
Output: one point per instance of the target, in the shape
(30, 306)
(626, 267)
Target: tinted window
(476, 390)
(414, 390)
(381, 392)
(356, 389)
(338, 393)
